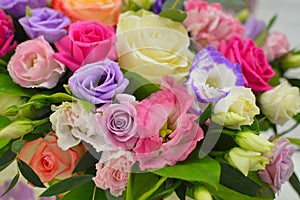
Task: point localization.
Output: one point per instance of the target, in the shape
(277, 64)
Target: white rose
(236, 109)
(152, 46)
(281, 103)
(73, 124)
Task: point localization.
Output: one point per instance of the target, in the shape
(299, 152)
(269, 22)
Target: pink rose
(167, 131)
(255, 68)
(87, 42)
(209, 24)
(276, 45)
(6, 35)
(117, 121)
(113, 171)
(33, 65)
(281, 168)
(48, 160)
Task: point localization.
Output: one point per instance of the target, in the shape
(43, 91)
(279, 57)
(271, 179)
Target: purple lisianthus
(254, 27)
(17, 8)
(98, 82)
(47, 22)
(211, 77)
(157, 6)
(281, 168)
(117, 121)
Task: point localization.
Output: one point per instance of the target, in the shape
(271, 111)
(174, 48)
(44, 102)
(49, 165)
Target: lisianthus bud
(281, 103)
(291, 61)
(250, 141)
(201, 193)
(246, 161)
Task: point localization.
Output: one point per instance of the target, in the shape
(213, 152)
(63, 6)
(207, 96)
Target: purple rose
(17, 8)
(47, 22)
(157, 6)
(281, 168)
(254, 27)
(117, 121)
(98, 82)
(211, 77)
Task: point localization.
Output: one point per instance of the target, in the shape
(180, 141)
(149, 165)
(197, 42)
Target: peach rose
(49, 161)
(104, 11)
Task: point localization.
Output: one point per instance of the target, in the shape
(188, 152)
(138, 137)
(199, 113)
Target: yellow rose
(152, 46)
(104, 11)
(281, 103)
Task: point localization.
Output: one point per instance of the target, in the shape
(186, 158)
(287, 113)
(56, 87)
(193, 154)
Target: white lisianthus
(152, 46)
(73, 124)
(281, 103)
(236, 109)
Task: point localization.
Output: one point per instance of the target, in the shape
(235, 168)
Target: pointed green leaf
(29, 174)
(205, 115)
(174, 14)
(7, 158)
(86, 162)
(205, 170)
(7, 86)
(294, 181)
(172, 4)
(12, 184)
(42, 100)
(295, 141)
(4, 142)
(67, 184)
(17, 145)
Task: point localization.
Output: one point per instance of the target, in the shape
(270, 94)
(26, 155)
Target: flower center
(164, 132)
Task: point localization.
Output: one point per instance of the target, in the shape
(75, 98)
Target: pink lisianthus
(209, 24)
(87, 42)
(6, 35)
(275, 45)
(113, 171)
(255, 68)
(48, 160)
(281, 168)
(167, 131)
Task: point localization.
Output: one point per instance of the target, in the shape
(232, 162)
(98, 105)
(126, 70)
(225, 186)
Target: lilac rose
(117, 121)
(47, 22)
(281, 168)
(17, 8)
(98, 82)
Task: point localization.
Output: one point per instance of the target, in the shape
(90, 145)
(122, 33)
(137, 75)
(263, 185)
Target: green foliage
(294, 181)
(11, 185)
(205, 115)
(295, 141)
(206, 170)
(6, 159)
(173, 4)
(86, 162)
(17, 145)
(174, 14)
(29, 174)
(41, 100)
(67, 184)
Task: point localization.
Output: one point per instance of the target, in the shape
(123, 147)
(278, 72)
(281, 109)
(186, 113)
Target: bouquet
(144, 99)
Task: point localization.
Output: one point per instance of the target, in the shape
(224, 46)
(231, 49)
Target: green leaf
(205, 115)
(172, 4)
(294, 181)
(205, 170)
(12, 184)
(90, 191)
(17, 145)
(67, 184)
(4, 142)
(7, 158)
(86, 162)
(261, 38)
(29, 174)
(181, 191)
(294, 82)
(167, 191)
(238, 2)
(42, 100)
(226, 193)
(7, 86)
(138, 86)
(174, 14)
(295, 141)
(4, 121)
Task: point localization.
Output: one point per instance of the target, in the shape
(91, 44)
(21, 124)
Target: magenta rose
(281, 168)
(87, 42)
(117, 121)
(33, 65)
(167, 132)
(6, 35)
(113, 171)
(255, 68)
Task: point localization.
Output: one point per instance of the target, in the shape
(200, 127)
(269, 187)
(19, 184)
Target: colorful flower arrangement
(145, 99)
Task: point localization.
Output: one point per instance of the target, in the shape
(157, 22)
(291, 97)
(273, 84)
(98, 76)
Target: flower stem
(2, 62)
(153, 189)
(227, 132)
(287, 131)
(129, 188)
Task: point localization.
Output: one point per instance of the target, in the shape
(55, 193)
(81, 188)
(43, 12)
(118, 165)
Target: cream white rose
(236, 109)
(73, 124)
(281, 103)
(152, 46)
